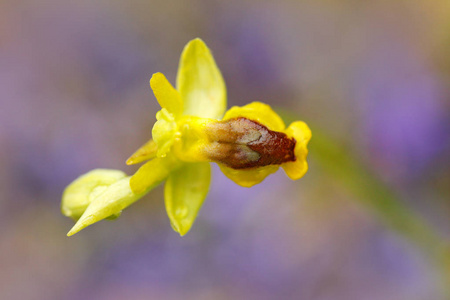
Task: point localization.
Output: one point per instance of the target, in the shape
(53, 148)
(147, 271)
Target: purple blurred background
(372, 76)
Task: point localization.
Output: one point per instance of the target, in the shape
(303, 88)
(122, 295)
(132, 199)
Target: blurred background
(370, 220)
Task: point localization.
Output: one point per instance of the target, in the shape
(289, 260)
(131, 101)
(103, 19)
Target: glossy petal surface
(77, 195)
(185, 192)
(200, 82)
(107, 202)
(152, 173)
(302, 134)
(164, 131)
(167, 96)
(259, 112)
(146, 152)
(248, 177)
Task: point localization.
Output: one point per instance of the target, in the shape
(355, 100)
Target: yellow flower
(248, 143)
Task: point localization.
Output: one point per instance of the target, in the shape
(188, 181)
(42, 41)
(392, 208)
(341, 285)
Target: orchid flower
(192, 130)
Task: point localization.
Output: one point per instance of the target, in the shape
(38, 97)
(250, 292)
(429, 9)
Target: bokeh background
(370, 220)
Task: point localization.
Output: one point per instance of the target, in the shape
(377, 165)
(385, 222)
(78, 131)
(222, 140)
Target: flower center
(164, 131)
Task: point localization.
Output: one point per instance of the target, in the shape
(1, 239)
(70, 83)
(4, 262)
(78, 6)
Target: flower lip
(241, 143)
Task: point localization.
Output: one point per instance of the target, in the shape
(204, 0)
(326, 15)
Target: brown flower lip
(241, 143)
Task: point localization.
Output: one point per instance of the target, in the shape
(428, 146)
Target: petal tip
(82, 223)
(74, 230)
(196, 42)
(156, 76)
(182, 230)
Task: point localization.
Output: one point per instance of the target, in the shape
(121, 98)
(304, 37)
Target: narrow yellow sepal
(146, 152)
(152, 173)
(200, 82)
(185, 192)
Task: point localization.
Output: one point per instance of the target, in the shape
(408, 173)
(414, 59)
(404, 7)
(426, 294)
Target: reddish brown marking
(268, 148)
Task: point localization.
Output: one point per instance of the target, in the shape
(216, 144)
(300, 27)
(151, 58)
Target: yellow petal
(146, 152)
(152, 173)
(200, 82)
(248, 177)
(108, 202)
(185, 192)
(302, 134)
(167, 96)
(257, 111)
(77, 195)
